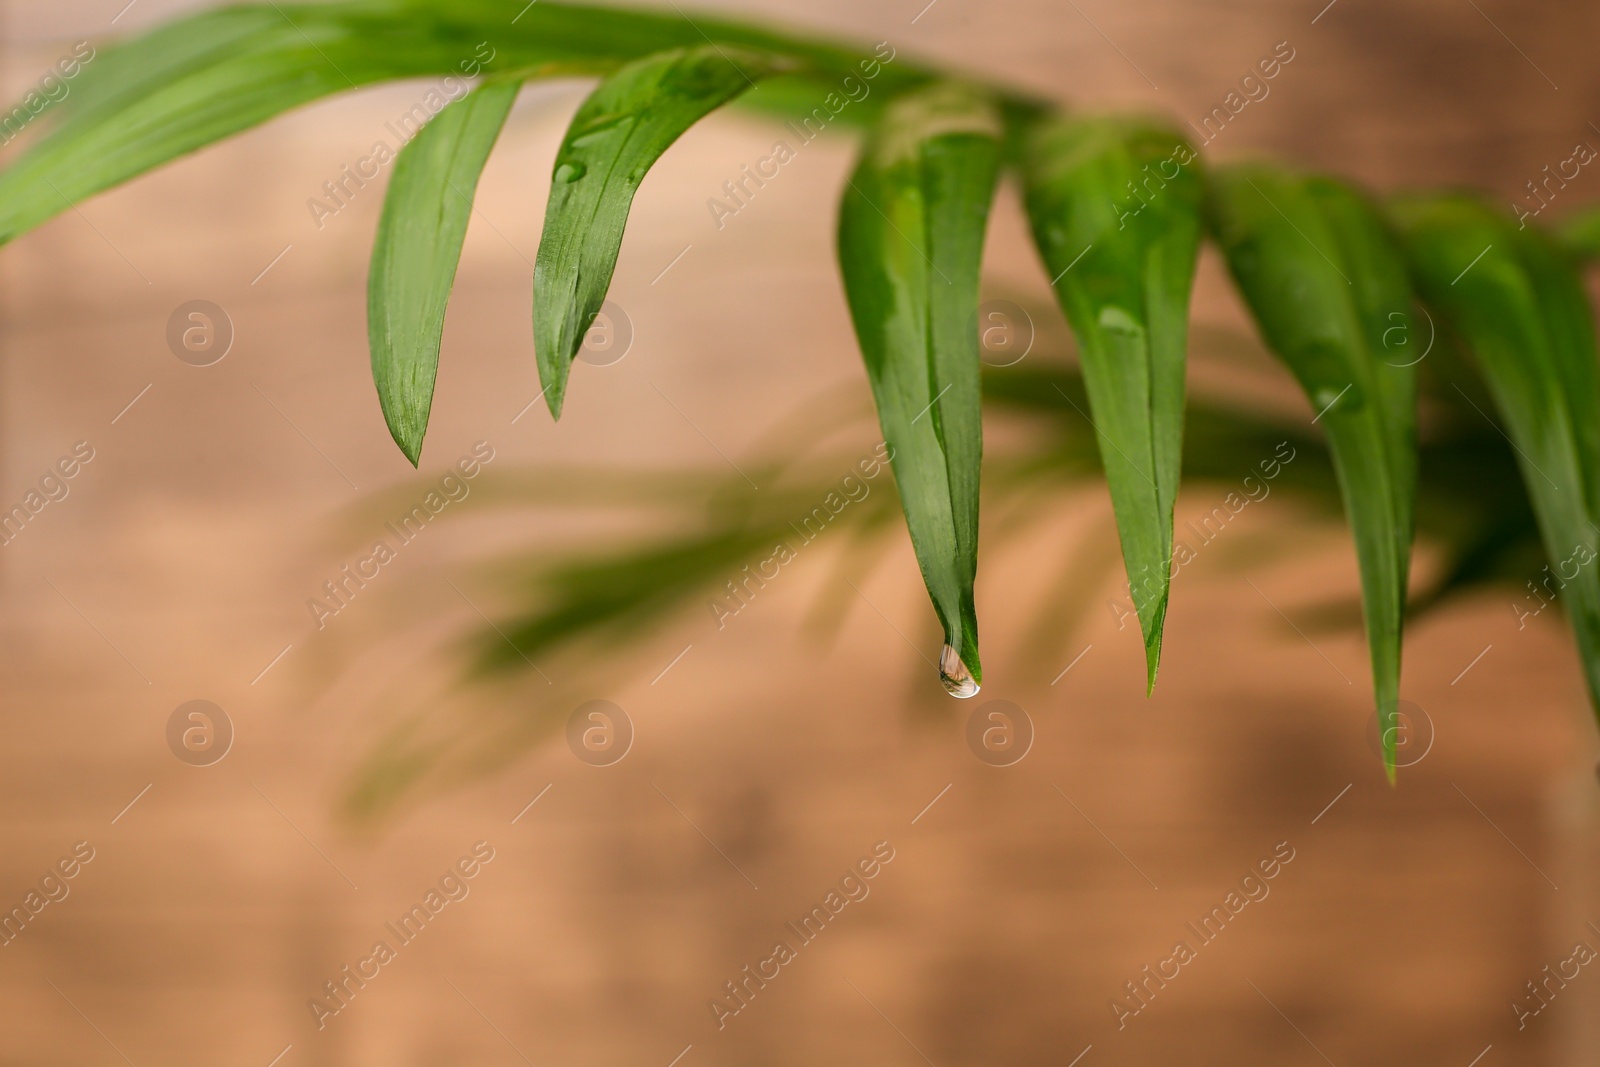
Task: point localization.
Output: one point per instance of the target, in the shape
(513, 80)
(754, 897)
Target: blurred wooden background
(619, 904)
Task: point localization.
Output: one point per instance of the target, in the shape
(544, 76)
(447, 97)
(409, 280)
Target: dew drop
(1118, 320)
(958, 681)
(1344, 399)
(570, 172)
(599, 127)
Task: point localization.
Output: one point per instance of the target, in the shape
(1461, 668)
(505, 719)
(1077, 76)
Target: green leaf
(227, 74)
(1517, 300)
(196, 80)
(617, 135)
(1327, 285)
(911, 231)
(192, 82)
(1116, 211)
(424, 222)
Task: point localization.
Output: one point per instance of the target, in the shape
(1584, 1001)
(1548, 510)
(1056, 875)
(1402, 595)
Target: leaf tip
(1391, 763)
(406, 427)
(410, 445)
(1152, 628)
(554, 397)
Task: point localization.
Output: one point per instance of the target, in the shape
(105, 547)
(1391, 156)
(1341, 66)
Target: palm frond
(1116, 206)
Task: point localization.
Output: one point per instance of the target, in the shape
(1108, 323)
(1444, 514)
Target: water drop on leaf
(570, 172)
(1342, 400)
(1118, 320)
(958, 681)
(600, 127)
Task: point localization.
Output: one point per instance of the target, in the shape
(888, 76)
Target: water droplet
(600, 126)
(1118, 320)
(570, 172)
(1338, 399)
(958, 681)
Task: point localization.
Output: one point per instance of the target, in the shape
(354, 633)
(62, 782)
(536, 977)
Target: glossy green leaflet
(1115, 206)
(1513, 297)
(911, 229)
(1327, 286)
(424, 223)
(616, 137)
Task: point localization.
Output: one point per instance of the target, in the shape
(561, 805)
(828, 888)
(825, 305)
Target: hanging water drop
(958, 681)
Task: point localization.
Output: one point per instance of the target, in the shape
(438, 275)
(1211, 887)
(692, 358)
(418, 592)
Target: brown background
(179, 567)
